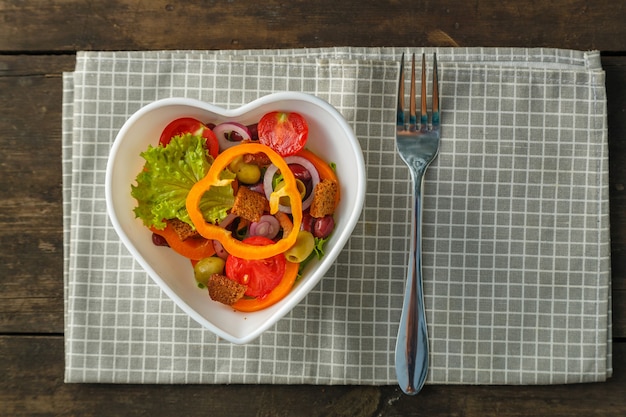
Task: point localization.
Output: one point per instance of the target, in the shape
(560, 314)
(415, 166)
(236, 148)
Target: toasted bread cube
(249, 204)
(324, 196)
(182, 229)
(224, 290)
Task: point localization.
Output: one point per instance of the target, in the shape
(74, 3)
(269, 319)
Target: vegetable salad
(248, 205)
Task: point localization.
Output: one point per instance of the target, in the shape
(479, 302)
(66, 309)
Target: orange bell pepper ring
(231, 245)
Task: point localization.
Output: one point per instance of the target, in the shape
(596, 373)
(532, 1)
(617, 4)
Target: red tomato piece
(261, 276)
(212, 143)
(286, 133)
(193, 126)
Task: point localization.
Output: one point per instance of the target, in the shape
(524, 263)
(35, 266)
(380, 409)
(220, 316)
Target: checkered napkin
(515, 227)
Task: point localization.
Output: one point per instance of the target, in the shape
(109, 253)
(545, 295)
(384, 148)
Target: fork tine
(400, 111)
(412, 104)
(424, 119)
(435, 117)
(412, 114)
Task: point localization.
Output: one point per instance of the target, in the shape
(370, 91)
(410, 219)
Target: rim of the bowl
(306, 286)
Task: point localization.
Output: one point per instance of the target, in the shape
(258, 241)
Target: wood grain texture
(615, 68)
(69, 25)
(38, 41)
(33, 385)
(31, 262)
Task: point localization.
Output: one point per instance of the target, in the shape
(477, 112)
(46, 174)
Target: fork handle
(412, 341)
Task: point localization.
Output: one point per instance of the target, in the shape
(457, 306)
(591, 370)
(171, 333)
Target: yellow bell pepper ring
(231, 245)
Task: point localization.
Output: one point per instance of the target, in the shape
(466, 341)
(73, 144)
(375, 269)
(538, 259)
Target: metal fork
(417, 145)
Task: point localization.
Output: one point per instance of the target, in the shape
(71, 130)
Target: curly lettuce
(168, 175)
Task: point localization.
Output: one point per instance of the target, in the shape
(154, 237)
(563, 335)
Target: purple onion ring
(272, 169)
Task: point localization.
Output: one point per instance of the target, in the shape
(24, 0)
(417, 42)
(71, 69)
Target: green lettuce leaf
(168, 175)
(318, 249)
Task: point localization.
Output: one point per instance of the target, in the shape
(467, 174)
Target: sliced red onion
(257, 188)
(219, 249)
(267, 227)
(230, 217)
(271, 170)
(223, 130)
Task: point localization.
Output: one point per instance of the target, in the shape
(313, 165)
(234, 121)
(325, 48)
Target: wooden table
(38, 41)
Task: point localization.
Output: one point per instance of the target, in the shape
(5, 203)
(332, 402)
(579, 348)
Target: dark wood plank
(31, 65)
(31, 262)
(71, 25)
(615, 68)
(32, 384)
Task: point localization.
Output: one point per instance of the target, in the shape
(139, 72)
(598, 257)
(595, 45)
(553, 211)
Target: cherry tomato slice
(261, 276)
(193, 126)
(286, 133)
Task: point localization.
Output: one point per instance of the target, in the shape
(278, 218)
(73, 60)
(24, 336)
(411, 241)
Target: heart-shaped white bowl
(329, 136)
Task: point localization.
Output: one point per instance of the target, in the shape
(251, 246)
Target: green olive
(305, 242)
(248, 173)
(236, 163)
(206, 267)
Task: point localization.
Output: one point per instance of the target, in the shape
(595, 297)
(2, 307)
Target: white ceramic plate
(329, 136)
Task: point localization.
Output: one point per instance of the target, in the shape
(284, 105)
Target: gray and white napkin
(515, 234)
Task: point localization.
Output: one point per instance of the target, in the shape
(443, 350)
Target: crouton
(249, 204)
(259, 158)
(182, 229)
(324, 196)
(224, 290)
